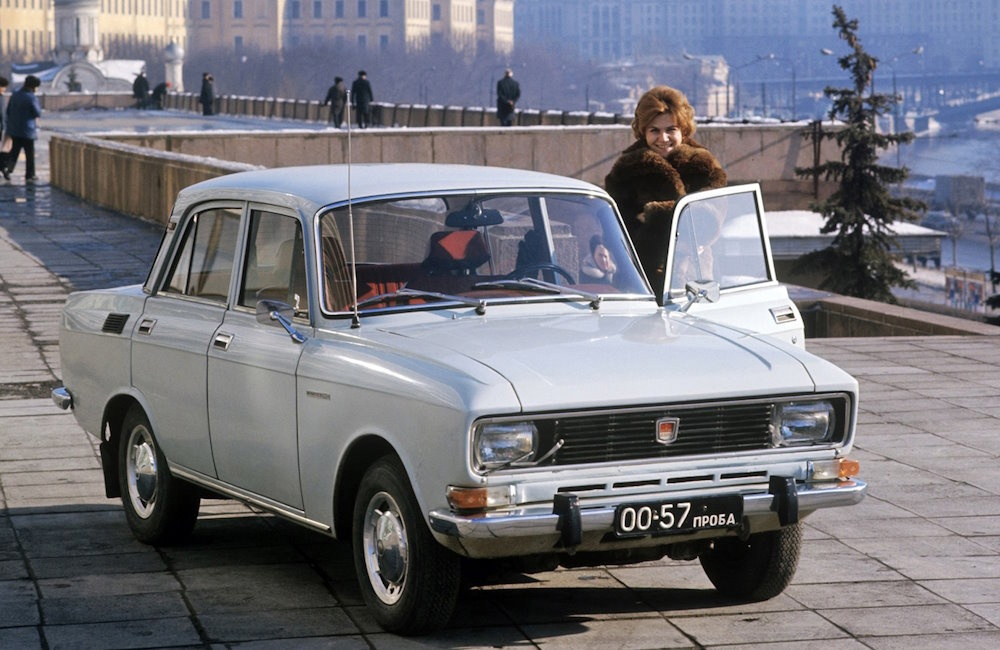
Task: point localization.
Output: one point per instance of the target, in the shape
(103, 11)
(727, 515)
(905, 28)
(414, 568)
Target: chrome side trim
(541, 520)
(280, 509)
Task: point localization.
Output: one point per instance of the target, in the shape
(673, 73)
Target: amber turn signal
(849, 468)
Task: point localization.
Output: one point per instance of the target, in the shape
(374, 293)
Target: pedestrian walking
(207, 95)
(362, 98)
(5, 142)
(140, 90)
(508, 93)
(336, 97)
(21, 123)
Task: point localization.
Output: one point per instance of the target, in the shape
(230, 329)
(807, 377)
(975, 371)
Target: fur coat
(645, 185)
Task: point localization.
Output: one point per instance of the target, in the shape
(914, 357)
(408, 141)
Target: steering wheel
(528, 269)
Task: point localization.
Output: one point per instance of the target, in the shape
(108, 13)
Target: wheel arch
(358, 457)
(111, 430)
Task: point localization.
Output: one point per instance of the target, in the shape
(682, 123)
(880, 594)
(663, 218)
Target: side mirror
(282, 312)
(699, 290)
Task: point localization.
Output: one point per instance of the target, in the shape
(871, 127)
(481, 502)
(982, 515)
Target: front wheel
(158, 508)
(408, 580)
(756, 569)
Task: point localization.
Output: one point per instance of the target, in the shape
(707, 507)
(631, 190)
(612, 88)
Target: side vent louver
(114, 323)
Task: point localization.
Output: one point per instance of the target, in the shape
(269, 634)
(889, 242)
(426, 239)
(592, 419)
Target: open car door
(719, 265)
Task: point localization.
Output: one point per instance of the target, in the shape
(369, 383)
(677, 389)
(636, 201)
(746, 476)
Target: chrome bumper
(62, 398)
(544, 522)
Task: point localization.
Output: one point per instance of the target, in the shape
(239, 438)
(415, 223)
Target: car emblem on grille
(666, 430)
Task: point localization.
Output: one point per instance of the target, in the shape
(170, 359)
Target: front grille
(631, 435)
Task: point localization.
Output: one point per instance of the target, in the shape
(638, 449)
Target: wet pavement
(916, 565)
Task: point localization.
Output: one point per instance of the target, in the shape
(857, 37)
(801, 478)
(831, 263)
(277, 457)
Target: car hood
(597, 359)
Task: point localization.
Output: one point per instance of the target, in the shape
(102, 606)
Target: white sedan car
(451, 363)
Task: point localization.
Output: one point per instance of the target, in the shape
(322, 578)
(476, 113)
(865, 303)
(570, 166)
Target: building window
(383, 8)
(383, 42)
(237, 8)
(317, 9)
(295, 9)
(238, 45)
(338, 9)
(362, 8)
(436, 12)
(206, 10)
(362, 41)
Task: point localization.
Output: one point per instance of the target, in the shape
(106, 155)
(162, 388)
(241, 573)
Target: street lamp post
(729, 82)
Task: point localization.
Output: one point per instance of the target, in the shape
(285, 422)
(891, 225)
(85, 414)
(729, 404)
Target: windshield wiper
(406, 293)
(532, 284)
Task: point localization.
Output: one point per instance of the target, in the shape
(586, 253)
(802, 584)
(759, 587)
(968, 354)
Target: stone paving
(916, 565)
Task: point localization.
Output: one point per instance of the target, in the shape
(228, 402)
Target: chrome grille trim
(622, 436)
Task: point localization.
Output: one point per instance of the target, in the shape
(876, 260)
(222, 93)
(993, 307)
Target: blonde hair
(659, 100)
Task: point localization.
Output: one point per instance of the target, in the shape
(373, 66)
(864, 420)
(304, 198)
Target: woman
(662, 165)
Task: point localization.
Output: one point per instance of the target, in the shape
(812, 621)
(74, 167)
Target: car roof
(312, 187)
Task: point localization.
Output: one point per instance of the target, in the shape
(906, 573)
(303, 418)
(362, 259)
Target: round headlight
(802, 423)
(503, 443)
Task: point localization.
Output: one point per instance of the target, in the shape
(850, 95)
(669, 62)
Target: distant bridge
(947, 98)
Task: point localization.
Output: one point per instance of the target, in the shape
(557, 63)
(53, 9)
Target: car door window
(204, 266)
(275, 262)
(721, 239)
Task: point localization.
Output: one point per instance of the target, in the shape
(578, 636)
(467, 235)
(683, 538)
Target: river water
(966, 149)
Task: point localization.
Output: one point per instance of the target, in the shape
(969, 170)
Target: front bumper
(546, 529)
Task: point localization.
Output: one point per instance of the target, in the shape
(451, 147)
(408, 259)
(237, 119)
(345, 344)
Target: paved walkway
(916, 565)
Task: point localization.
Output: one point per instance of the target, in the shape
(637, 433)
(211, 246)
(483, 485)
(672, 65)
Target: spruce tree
(859, 262)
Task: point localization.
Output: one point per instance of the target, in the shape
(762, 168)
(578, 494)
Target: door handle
(222, 341)
(146, 326)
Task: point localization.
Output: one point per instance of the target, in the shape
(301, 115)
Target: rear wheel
(159, 508)
(409, 581)
(756, 569)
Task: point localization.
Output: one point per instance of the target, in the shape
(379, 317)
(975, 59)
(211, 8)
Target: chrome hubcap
(141, 471)
(385, 548)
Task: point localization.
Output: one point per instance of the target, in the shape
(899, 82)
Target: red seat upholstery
(457, 250)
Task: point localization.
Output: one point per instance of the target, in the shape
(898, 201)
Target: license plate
(675, 517)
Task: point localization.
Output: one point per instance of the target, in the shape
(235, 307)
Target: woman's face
(663, 134)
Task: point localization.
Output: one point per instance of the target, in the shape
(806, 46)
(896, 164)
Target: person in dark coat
(22, 112)
(664, 164)
(140, 90)
(207, 95)
(336, 97)
(159, 92)
(508, 93)
(362, 98)
(4, 82)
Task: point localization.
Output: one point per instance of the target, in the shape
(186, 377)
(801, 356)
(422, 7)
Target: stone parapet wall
(133, 180)
(140, 174)
(836, 316)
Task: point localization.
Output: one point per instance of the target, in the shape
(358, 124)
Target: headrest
(457, 250)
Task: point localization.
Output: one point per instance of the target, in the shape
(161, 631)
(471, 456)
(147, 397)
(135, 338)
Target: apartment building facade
(955, 35)
(28, 27)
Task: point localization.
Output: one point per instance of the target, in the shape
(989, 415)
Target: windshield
(463, 245)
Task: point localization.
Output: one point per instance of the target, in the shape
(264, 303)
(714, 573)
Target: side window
(719, 239)
(204, 264)
(275, 262)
